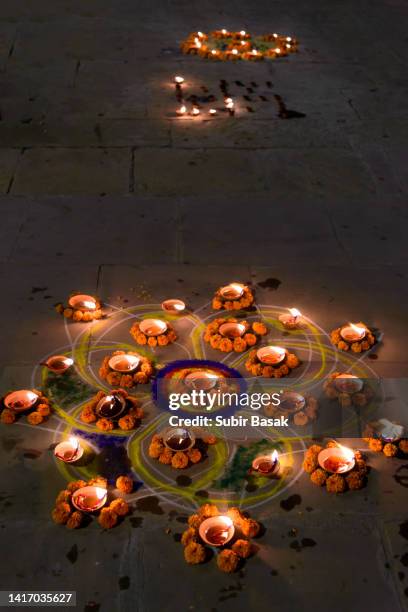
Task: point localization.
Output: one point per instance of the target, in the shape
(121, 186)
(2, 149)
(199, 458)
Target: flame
(242, 32)
(224, 31)
(200, 34)
(357, 328)
(182, 110)
(235, 51)
(89, 305)
(295, 313)
(214, 52)
(179, 79)
(347, 452)
(68, 361)
(277, 50)
(74, 442)
(227, 521)
(212, 111)
(274, 456)
(100, 493)
(195, 111)
(254, 52)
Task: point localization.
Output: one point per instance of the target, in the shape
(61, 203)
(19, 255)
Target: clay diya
(110, 406)
(291, 401)
(271, 355)
(178, 439)
(81, 307)
(173, 306)
(336, 459)
(58, 363)
(89, 499)
(81, 301)
(69, 451)
(201, 380)
(292, 319)
(232, 330)
(21, 400)
(234, 296)
(267, 464)
(348, 383)
(217, 530)
(124, 363)
(356, 337)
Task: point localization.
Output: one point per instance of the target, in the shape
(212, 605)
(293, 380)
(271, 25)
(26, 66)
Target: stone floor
(105, 190)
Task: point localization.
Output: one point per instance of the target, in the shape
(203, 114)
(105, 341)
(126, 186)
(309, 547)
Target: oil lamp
(90, 498)
(82, 302)
(58, 363)
(267, 465)
(201, 380)
(352, 332)
(271, 355)
(178, 439)
(291, 319)
(21, 400)
(110, 406)
(233, 291)
(217, 530)
(69, 450)
(124, 363)
(232, 330)
(153, 327)
(173, 306)
(337, 459)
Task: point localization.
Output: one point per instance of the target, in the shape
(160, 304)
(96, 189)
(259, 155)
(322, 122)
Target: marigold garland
(167, 337)
(359, 399)
(65, 513)
(76, 314)
(179, 460)
(356, 347)
(257, 368)
(335, 483)
(245, 301)
(37, 414)
(253, 332)
(129, 419)
(142, 376)
(221, 45)
(394, 448)
(232, 555)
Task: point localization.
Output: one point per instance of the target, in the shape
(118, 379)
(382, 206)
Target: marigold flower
(124, 484)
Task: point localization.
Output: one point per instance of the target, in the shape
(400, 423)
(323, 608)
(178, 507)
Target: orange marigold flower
(216, 304)
(124, 484)
(152, 341)
(35, 418)
(250, 528)
(227, 561)
(141, 378)
(390, 450)
(75, 520)
(225, 345)
(375, 444)
(119, 506)
(319, 477)
(8, 416)
(242, 548)
(77, 315)
(107, 519)
(336, 484)
(194, 553)
(179, 460)
(166, 456)
(250, 339)
(68, 312)
(61, 513)
(194, 455)
(126, 380)
(74, 485)
(104, 424)
(190, 535)
(127, 422)
(113, 378)
(259, 328)
(239, 345)
(162, 340)
(88, 415)
(215, 341)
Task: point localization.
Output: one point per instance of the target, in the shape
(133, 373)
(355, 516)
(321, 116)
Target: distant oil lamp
(291, 319)
(271, 355)
(290, 401)
(352, 332)
(233, 291)
(21, 400)
(201, 380)
(90, 498)
(178, 439)
(178, 80)
(173, 306)
(217, 530)
(153, 327)
(212, 111)
(388, 430)
(124, 363)
(267, 464)
(195, 111)
(69, 451)
(348, 383)
(58, 363)
(337, 459)
(110, 406)
(182, 110)
(232, 330)
(82, 302)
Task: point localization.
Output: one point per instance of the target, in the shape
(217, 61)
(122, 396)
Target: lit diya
(124, 363)
(348, 383)
(217, 530)
(58, 363)
(232, 330)
(110, 406)
(21, 400)
(292, 319)
(81, 307)
(153, 327)
(178, 439)
(336, 459)
(69, 450)
(356, 337)
(271, 355)
(90, 498)
(233, 291)
(267, 465)
(234, 296)
(352, 332)
(201, 380)
(83, 302)
(173, 306)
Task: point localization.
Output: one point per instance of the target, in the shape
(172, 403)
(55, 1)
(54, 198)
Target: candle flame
(295, 313)
(100, 492)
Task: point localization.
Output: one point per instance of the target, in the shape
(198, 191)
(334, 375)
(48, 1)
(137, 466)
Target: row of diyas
(195, 110)
(224, 45)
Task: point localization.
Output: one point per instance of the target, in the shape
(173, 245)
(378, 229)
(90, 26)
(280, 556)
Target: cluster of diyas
(271, 362)
(126, 369)
(105, 410)
(179, 448)
(230, 531)
(348, 389)
(75, 504)
(336, 467)
(224, 45)
(153, 332)
(228, 335)
(299, 409)
(30, 402)
(234, 296)
(81, 307)
(355, 337)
